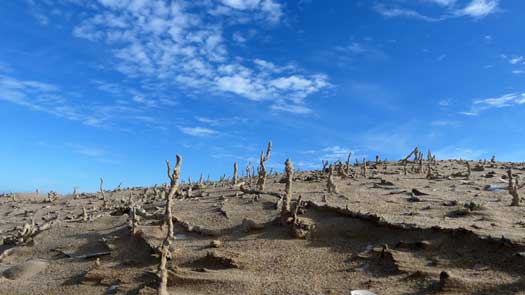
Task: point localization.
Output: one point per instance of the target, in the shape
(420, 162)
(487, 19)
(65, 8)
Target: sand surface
(452, 235)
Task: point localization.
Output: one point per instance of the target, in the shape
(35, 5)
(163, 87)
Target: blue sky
(113, 88)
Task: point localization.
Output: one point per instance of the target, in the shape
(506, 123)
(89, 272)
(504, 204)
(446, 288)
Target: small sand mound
(25, 270)
(216, 261)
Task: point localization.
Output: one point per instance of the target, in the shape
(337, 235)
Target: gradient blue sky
(113, 88)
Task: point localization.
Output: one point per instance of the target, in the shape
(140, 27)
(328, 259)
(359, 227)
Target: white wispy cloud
(354, 47)
(291, 108)
(238, 37)
(345, 54)
(241, 37)
(224, 121)
(449, 9)
(517, 60)
(271, 7)
(479, 8)
(51, 99)
(442, 2)
(268, 10)
(33, 94)
(271, 67)
(507, 100)
(198, 131)
(208, 121)
(444, 102)
(444, 123)
(502, 101)
(390, 12)
(242, 4)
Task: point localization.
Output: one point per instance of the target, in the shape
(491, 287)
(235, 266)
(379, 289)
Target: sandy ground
(452, 235)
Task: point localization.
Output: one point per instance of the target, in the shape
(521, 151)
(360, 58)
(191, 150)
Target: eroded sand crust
(388, 233)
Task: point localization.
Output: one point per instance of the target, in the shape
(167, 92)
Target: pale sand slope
(403, 251)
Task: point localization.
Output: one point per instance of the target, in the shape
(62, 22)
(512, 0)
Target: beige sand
(374, 234)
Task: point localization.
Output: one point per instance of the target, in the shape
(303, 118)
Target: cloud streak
(51, 99)
(504, 101)
(392, 12)
(479, 8)
(198, 131)
(475, 9)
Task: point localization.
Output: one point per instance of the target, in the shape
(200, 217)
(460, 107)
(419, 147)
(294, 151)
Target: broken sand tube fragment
(174, 185)
(514, 186)
(330, 184)
(168, 220)
(235, 171)
(285, 209)
(261, 181)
